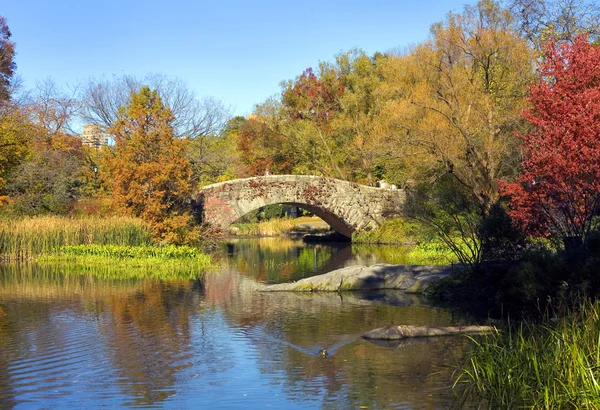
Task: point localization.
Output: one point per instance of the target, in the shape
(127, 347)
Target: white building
(94, 136)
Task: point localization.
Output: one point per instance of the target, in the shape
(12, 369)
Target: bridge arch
(347, 207)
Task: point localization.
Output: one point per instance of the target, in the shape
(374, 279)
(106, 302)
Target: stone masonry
(347, 207)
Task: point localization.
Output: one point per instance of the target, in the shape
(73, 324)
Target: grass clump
(553, 365)
(115, 261)
(431, 253)
(23, 239)
(393, 231)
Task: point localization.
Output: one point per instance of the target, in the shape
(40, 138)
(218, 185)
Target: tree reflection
(155, 341)
(289, 329)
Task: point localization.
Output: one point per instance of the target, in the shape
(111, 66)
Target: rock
(405, 331)
(409, 278)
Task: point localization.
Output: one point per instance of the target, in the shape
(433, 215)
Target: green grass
(393, 231)
(430, 253)
(117, 261)
(555, 365)
(26, 238)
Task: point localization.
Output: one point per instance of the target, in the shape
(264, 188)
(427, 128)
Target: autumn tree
(308, 105)
(51, 107)
(149, 172)
(7, 63)
(16, 132)
(558, 192)
(48, 181)
(331, 117)
(458, 99)
(213, 158)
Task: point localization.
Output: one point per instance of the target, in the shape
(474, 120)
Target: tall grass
(555, 365)
(26, 238)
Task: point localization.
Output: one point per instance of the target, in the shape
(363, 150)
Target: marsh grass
(24, 239)
(119, 261)
(553, 365)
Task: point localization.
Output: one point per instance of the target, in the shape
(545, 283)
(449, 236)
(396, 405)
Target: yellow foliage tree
(458, 98)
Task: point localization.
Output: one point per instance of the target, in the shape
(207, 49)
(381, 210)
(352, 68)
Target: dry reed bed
(22, 239)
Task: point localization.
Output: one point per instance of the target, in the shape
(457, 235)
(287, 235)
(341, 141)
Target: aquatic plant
(553, 365)
(112, 261)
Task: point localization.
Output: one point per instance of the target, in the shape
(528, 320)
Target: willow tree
(149, 172)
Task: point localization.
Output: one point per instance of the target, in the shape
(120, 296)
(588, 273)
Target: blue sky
(236, 51)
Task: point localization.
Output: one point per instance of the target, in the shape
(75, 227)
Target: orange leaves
(149, 172)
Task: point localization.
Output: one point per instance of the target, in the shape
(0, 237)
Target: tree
(558, 192)
(332, 117)
(308, 106)
(16, 132)
(558, 20)
(213, 157)
(52, 108)
(49, 180)
(7, 63)
(458, 99)
(193, 117)
(149, 172)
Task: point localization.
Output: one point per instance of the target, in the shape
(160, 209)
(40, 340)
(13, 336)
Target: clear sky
(236, 51)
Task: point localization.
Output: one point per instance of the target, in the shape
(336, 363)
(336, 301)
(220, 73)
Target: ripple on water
(157, 345)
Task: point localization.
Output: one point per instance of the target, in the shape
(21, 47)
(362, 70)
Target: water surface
(73, 340)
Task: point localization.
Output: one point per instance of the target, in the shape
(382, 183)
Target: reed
(24, 239)
(553, 365)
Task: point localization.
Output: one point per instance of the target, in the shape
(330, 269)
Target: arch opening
(335, 222)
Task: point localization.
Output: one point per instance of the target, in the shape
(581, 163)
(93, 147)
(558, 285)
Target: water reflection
(280, 259)
(68, 340)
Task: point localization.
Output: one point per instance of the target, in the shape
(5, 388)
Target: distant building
(94, 136)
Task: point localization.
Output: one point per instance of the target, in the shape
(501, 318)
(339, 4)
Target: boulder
(409, 278)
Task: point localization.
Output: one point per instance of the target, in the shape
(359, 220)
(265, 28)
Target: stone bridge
(347, 207)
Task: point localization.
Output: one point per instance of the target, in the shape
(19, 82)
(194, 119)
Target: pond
(73, 340)
(282, 259)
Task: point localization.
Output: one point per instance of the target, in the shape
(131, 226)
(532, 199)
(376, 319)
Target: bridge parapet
(348, 207)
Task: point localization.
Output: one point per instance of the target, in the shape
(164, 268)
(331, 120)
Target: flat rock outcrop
(409, 278)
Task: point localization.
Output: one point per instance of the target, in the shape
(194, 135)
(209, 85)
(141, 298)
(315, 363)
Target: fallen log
(406, 331)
